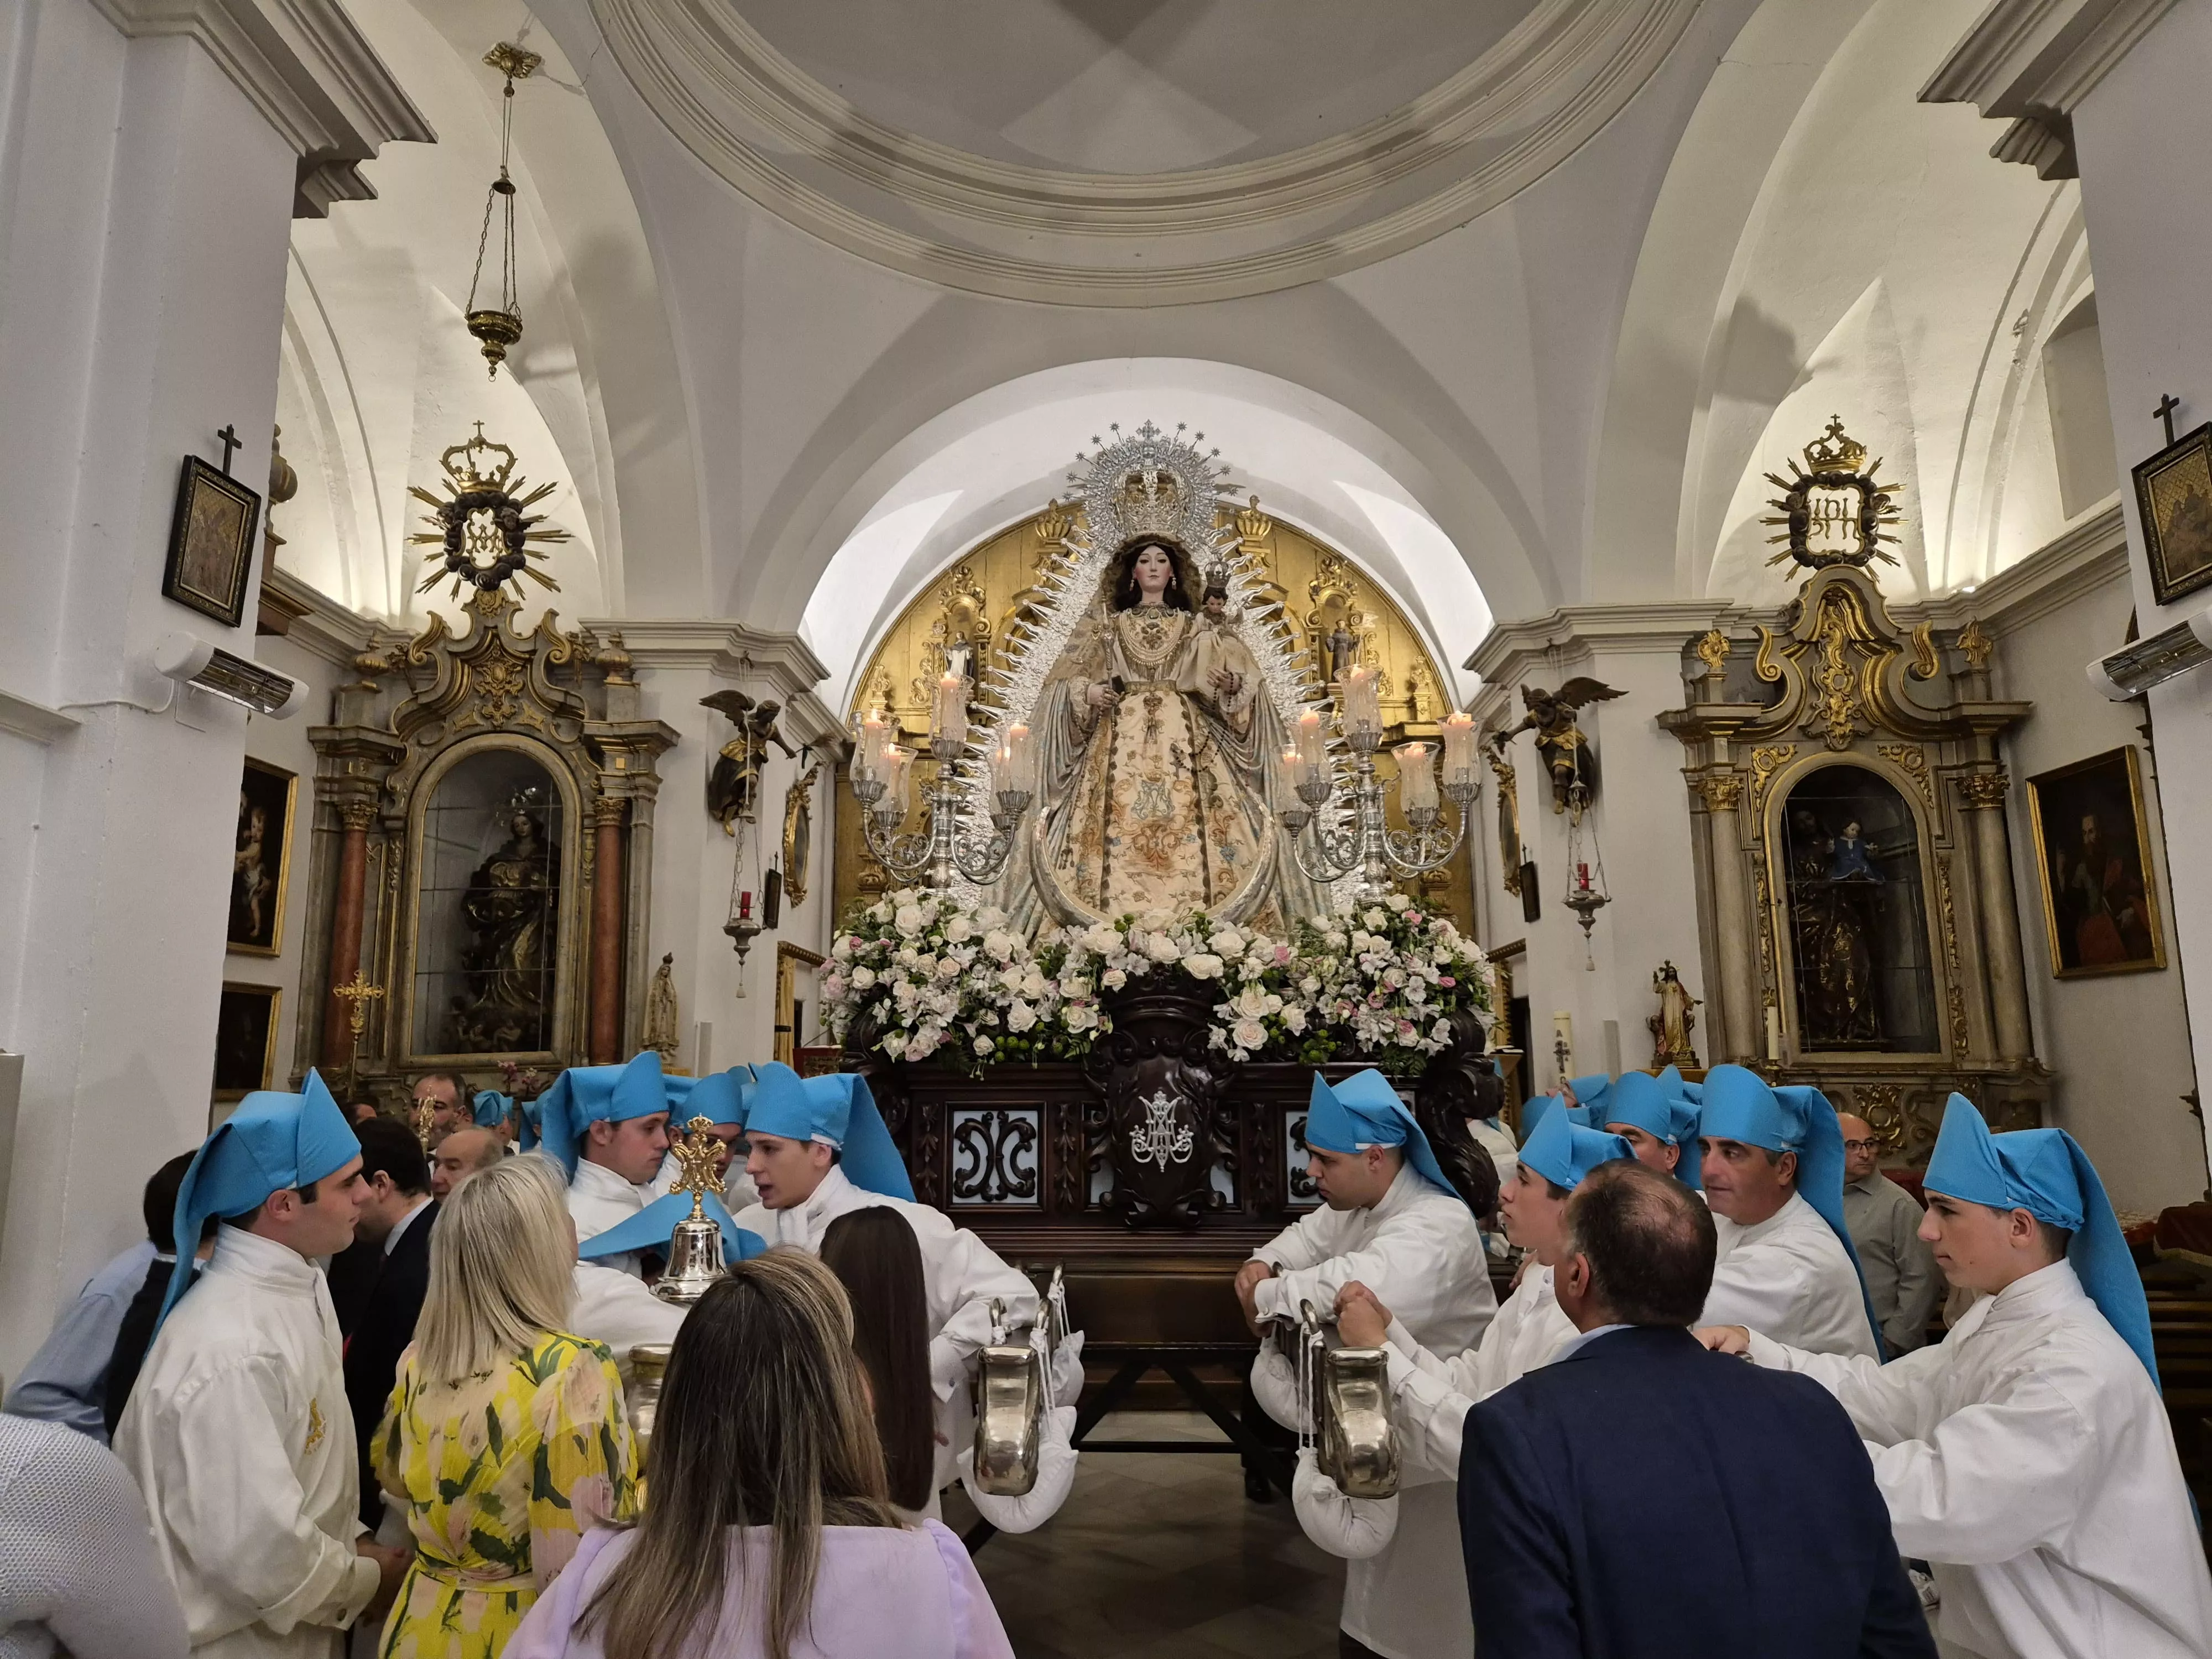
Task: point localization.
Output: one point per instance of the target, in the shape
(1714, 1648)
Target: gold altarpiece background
(1835, 709)
(967, 614)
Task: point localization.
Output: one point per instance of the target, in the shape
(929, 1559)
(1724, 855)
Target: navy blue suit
(1643, 1498)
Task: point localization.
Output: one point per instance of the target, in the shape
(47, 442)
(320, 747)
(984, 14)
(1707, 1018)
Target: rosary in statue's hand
(1227, 684)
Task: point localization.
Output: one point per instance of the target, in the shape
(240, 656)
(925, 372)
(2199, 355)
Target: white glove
(1352, 1527)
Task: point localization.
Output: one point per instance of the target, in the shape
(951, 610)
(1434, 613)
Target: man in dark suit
(396, 1220)
(1635, 1499)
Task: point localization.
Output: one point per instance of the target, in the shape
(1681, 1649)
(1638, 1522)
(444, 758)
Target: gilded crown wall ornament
(1832, 510)
(485, 535)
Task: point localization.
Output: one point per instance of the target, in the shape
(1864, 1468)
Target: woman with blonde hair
(768, 1533)
(505, 1438)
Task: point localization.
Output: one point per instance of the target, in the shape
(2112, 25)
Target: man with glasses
(1884, 1219)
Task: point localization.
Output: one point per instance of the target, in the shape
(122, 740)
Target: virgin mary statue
(1154, 732)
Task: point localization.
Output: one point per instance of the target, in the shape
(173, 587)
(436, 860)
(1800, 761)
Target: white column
(147, 187)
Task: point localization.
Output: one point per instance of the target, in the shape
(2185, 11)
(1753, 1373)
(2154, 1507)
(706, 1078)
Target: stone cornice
(309, 72)
(731, 650)
(2031, 62)
(1597, 629)
(323, 628)
(806, 154)
(2076, 562)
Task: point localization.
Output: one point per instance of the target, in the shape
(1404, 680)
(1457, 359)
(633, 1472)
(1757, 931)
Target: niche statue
(509, 907)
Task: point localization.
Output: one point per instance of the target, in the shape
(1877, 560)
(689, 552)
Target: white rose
(1250, 1034)
(908, 919)
(999, 943)
(1374, 917)
(1294, 1018)
(1080, 1016)
(842, 950)
(1397, 901)
(1035, 984)
(1441, 1031)
(1072, 988)
(863, 978)
(1251, 1002)
(984, 1045)
(1202, 965)
(1155, 921)
(1227, 941)
(1020, 1016)
(1008, 979)
(1104, 938)
(1160, 948)
(1113, 979)
(958, 929)
(1417, 993)
(948, 968)
(1309, 985)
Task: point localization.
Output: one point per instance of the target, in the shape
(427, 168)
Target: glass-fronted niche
(1856, 916)
(487, 913)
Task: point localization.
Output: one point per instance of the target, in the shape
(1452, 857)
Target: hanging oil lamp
(497, 328)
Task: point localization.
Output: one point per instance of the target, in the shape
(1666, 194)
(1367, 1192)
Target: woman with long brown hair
(876, 1257)
(768, 1531)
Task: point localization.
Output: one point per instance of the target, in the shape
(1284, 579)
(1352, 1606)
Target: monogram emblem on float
(1160, 1140)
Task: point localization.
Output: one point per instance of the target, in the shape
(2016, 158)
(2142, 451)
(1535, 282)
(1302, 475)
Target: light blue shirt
(1587, 1336)
(66, 1381)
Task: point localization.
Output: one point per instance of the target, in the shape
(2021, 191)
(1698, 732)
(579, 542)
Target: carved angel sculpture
(1563, 745)
(733, 783)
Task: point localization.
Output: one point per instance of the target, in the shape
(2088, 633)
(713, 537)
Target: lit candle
(1290, 772)
(1417, 778)
(1311, 751)
(952, 725)
(894, 766)
(1459, 748)
(875, 733)
(1363, 703)
(1017, 758)
(744, 906)
(1582, 877)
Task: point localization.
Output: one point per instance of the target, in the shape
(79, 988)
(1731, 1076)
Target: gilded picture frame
(2100, 890)
(245, 1040)
(798, 836)
(211, 539)
(2174, 500)
(261, 861)
(792, 961)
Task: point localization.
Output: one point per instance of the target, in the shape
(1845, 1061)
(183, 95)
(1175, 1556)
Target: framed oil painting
(795, 1002)
(2173, 498)
(212, 543)
(2092, 848)
(261, 861)
(245, 1040)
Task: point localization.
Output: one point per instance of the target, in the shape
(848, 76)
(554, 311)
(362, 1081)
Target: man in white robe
(238, 1430)
(819, 1149)
(1430, 1394)
(1773, 1171)
(1393, 1222)
(607, 1127)
(2026, 1457)
(720, 1097)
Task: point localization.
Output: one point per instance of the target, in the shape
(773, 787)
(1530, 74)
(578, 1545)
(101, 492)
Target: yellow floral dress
(502, 1475)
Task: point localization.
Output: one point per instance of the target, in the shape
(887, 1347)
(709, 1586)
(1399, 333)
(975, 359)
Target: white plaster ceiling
(1081, 153)
(995, 459)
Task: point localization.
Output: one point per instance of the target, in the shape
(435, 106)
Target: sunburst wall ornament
(1832, 510)
(485, 535)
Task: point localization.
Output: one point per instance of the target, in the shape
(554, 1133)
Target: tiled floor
(1162, 1557)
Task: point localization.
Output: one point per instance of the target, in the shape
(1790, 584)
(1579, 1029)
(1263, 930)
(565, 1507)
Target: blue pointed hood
(2047, 1173)
(1660, 1106)
(1362, 1111)
(585, 1095)
(1563, 1152)
(1739, 1105)
(272, 1141)
(492, 1108)
(837, 1110)
(651, 1227)
(722, 1097)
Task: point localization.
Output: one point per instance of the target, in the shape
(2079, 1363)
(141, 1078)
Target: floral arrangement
(920, 975)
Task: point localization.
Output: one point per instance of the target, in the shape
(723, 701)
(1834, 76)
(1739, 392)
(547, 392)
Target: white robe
(1420, 1252)
(621, 1310)
(239, 1434)
(1789, 1278)
(2027, 1459)
(1431, 1397)
(961, 1276)
(600, 1200)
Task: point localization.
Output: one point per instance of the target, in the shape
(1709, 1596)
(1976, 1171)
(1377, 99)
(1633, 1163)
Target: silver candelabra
(946, 848)
(1365, 845)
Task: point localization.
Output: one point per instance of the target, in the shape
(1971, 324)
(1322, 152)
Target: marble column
(1985, 794)
(607, 934)
(346, 912)
(1742, 1035)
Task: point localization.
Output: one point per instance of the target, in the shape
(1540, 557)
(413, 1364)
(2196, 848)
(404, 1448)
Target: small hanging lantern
(499, 326)
(1586, 891)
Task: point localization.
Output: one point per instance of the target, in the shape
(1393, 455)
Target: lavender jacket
(910, 1591)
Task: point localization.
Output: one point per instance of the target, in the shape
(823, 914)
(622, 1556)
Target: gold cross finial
(358, 994)
(696, 1152)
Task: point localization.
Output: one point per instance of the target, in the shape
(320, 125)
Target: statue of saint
(1154, 734)
(661, 1033)
(1676, 1018)
(509, 906)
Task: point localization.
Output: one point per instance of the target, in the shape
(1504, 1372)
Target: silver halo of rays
(1097, 531)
